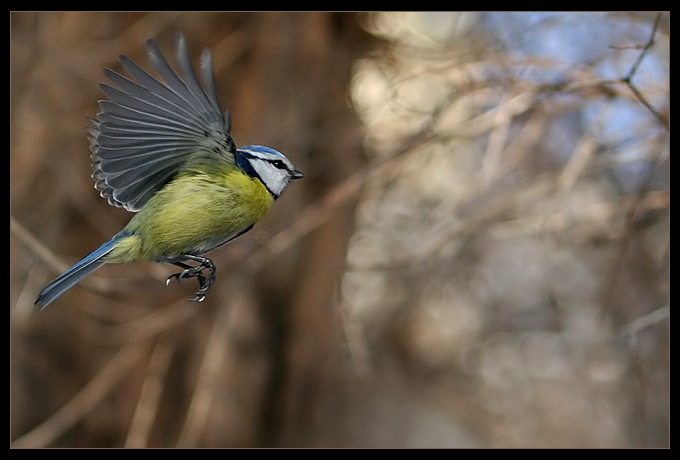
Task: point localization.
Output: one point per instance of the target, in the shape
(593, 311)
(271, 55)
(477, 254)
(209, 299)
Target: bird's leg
(196, 271)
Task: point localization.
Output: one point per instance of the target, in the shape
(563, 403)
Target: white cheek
(275, 179)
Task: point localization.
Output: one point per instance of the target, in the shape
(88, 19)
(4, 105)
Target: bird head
(271, 167)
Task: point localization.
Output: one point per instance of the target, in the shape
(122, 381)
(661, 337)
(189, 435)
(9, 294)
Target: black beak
(297, 174)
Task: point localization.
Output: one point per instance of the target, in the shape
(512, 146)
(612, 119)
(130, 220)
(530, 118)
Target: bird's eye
(278, 164)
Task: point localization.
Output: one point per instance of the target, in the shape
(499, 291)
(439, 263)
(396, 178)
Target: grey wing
(147, 130)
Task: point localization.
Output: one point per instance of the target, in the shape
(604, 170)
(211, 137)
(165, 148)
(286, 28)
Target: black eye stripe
(275, 162)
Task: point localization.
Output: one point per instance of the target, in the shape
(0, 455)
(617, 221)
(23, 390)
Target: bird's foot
(204, 282)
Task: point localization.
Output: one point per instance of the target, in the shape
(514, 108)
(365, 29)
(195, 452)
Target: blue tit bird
(163, 150)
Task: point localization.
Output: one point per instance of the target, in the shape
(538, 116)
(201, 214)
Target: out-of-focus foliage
(515, 261)
(478, 255)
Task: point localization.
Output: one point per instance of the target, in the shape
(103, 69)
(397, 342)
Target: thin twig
(150, 395)
(645, 48)
(633, 329)
(217, 355)
(628, 79)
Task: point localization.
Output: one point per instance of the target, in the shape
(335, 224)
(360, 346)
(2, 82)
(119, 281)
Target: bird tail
(74, 274)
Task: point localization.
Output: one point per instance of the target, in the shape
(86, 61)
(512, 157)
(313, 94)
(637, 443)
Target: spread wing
(147, 130)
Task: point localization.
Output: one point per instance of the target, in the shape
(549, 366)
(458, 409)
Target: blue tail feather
(74, 274)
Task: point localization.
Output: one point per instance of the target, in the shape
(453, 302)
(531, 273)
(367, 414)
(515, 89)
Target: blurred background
(478, 255)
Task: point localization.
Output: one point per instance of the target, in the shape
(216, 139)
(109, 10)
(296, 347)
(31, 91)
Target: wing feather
(208, 75)
(147, 129)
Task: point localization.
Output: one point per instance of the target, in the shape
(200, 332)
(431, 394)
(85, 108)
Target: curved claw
(198, 298)
(205, 285)
(196, 272)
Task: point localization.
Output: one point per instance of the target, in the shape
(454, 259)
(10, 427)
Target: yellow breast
(198, 210)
